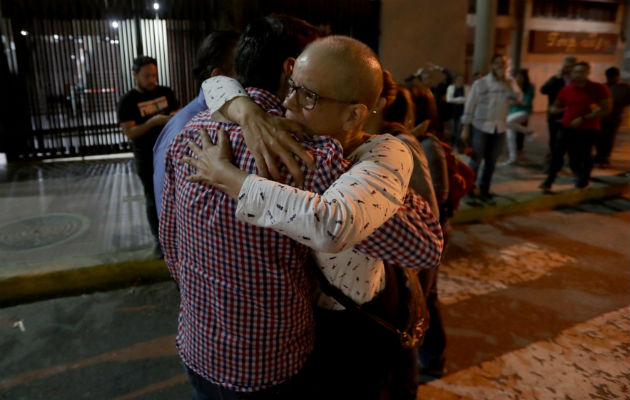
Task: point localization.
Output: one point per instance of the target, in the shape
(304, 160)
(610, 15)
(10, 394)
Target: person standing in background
(142, 112)
(605, 141)
(582, 103)
(551, 88)
(456, 97)
(518, 116)
(486, 110)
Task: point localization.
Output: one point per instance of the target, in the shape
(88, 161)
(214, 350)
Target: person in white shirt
(486, 110)
(456, 94)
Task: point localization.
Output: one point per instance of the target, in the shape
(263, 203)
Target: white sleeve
(218, 90)
(450, 94)
(352, 208)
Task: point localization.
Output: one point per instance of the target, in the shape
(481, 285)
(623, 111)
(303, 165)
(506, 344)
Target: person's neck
(580, 84)
(353, 140)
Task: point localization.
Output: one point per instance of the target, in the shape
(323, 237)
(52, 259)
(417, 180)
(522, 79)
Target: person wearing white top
(486, 110)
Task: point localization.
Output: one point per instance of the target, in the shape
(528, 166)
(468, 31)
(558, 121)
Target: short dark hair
(215, 51)
(495, 56)
(612, 72)
(141, 61)
(264, 46)
(583, 64)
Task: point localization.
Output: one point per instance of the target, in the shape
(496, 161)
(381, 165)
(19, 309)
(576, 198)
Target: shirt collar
(265, 99)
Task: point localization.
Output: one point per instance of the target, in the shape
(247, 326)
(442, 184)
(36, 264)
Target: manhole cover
(41, 231)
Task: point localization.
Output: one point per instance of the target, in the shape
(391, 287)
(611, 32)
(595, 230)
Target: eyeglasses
(306, 98)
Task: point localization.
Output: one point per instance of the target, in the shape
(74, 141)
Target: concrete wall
(414, 32)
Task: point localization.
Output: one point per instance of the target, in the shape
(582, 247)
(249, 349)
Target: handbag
(400, 307)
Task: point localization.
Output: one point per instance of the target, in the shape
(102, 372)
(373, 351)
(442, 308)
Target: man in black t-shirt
(142, 113)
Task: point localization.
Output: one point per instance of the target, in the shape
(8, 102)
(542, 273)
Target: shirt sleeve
(412, 238)
(471, 103)
(437, 168)
(218, 90)
(351, 209)
(168, 224)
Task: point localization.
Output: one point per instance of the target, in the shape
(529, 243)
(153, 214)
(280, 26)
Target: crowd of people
(303, 200)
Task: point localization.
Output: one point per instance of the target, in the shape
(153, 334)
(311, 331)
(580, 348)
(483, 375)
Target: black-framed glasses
(306, 98)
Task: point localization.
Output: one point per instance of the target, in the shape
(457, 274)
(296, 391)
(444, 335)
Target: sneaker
(508, 163)
(582, 184)
(488, 198)
(545, 186)
(431, 372)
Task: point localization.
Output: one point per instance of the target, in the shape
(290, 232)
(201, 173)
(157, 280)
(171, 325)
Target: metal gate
(66, 63)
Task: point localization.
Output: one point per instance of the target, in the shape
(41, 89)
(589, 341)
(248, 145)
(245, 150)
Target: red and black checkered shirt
(245, 319)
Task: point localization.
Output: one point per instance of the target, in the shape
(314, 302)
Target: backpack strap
(417, 318)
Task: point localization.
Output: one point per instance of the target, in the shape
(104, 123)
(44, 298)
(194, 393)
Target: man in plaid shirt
(246, 323)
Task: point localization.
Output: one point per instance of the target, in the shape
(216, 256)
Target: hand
(465, 135)
(159, 119)
(214, 164)
(269, 137)
(421, 128)
(577, 122)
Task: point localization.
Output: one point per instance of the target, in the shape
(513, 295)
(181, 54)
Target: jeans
(605, 140)
(578, 143)
(144, 166)
(456, 131)
(516, 124)
(486, 147)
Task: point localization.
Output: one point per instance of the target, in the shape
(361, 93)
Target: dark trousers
(296, 388)
(578, 143)
(431, 353)
(605, 140)
(353, 356)
(144, 166)
(486, 147)
(553, 122)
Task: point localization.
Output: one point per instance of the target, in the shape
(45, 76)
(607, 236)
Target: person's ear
(380, 105)
(287, 66)
(355, 116)
(216, 71)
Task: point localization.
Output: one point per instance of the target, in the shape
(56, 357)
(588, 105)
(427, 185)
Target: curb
(534, 201)
(35, 287)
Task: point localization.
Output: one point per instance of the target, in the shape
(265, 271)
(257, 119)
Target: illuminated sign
(552, 42)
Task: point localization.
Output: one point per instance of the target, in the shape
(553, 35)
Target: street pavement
(535, 306)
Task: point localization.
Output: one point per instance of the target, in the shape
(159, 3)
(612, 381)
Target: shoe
(545, 186)
(433, 371)
(488, 198)
(582, 184)
(531, 136)
(508, 163)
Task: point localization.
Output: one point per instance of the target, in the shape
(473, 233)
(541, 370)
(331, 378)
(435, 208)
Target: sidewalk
(75, 227)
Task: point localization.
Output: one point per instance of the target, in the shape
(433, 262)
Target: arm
(168, 224)
(412, 238)
(557, 107)
(437, 168)
(548, 87)
(267, 137)
(469, 110)
(133, 131)
(357, 203)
